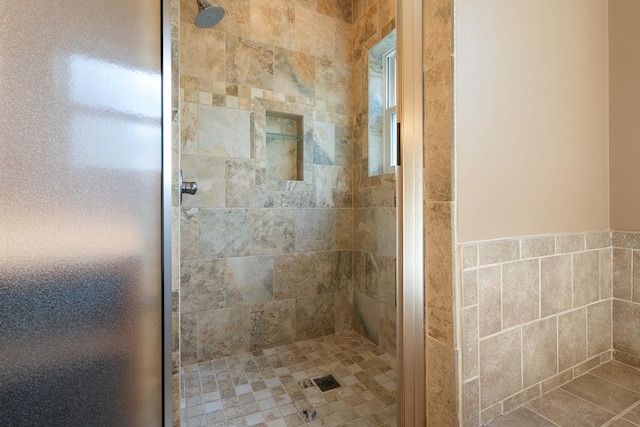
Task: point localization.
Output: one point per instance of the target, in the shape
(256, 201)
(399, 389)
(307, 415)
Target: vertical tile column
(441, 347)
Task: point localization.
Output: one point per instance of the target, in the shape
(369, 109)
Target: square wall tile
(520, 292)
(539, 351)
(572, 338)
(586, 278)
(599, 318)
(555, 284)
(501, 370)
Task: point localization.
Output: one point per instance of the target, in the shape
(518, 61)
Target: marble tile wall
(626, 294)
(537, 312)
(374, 203)
(265, 261)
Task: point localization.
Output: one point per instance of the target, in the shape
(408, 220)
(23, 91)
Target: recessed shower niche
(285, 146)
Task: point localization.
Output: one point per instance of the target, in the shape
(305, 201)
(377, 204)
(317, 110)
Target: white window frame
(390, 117)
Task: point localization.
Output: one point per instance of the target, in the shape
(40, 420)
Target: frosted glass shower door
(80, 213)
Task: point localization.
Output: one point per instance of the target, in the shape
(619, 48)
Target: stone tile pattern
(286, 57)
(442, 346)
(274, 387)
(537, 312)
(607, 395)
(374, 200)
(626, 297)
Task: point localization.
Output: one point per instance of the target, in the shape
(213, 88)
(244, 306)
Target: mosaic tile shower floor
(275, 387)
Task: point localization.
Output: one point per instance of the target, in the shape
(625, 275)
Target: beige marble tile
(556, 284)
(188, 128)
(189, 338)
(387, 330)
(387, 16)
(272, 22)
(333, 186)
(489, 300)
(332, 80)
(294, 73)
(568, 410)
(208, 173)
(202, 285)
(520, 292)
(334, 271)
(236, 19)
(314, 229)
(224, 132)
(189, 234)
(272, 324)
(202, 53)
(599, 319)
(224, 232)
(344, 42)
(314, 316)
(439, 280)
(343, 315)
(248, 280)
(294, 275)
(572, 338)
(324, 143)
(380, 277)
(314, 33)
(249, 63)
(366, 317)
(501, 369)
(272, 231)
(338, 9)
(539, 351)
(438, 123)
(344, 229)
(442, 402)
(223, 332)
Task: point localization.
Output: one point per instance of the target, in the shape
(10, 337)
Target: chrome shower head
(208, 15)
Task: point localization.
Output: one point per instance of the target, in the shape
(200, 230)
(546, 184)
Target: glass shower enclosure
(81, 196)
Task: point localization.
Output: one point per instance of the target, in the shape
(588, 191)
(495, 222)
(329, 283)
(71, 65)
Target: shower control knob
(189, 187)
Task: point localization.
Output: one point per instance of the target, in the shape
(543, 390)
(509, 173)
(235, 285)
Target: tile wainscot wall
(539, 311)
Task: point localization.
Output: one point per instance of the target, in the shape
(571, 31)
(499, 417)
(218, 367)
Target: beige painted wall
(624, 131)
(531, 117)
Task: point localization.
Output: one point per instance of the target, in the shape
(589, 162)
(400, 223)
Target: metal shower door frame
(167, 395)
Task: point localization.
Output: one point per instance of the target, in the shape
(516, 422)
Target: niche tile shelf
(285, 146)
